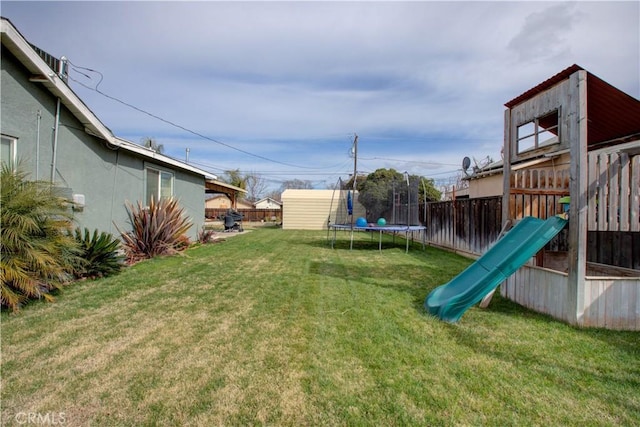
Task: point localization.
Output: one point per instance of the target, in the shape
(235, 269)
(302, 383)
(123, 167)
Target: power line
(409, 161)
(180, 126)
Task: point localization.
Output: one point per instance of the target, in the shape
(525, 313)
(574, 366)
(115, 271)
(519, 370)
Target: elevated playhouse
(572, 135)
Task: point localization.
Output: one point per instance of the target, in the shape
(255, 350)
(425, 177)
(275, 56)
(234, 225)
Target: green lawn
(275, 327)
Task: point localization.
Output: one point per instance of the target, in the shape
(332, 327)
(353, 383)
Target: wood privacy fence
(613, 209)
(537, 191)
(613, 200)
(467, 225)
(251, 215)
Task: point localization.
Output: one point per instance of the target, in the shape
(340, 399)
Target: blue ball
(382, 222)
(361, 222)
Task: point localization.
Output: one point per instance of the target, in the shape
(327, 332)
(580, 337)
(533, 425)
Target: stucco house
(224, 201)
(217, 201)
(56, 137)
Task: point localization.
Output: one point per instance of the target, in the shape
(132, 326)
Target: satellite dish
(466, 163)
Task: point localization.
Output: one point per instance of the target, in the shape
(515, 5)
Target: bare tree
(296, 184)
(150, 143)
(274, 194)
(255, 186)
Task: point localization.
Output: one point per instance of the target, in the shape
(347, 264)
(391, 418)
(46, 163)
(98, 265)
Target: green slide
(451, 300)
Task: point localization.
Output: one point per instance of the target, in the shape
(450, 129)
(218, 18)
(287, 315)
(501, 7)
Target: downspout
(114, 189)
(38, 120)
(55, 141)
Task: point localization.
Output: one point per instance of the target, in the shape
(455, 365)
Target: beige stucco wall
(221, 202)
(311, 209)
(493, 185)
(487, 186)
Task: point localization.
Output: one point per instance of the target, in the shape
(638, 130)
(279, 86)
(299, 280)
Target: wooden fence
(467, 225)
(250, 215)
(613, 209)
(613, 205)
(614, 192)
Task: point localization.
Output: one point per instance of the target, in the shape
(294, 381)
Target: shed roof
(308, 194)
(612, 114)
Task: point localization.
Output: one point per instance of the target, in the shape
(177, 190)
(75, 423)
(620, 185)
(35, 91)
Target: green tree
(39, 253)
(428, 191)
(234, 177)
(378, 190)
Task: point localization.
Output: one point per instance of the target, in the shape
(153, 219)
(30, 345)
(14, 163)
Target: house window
(8, 152)
(159, 184)
(539, 133)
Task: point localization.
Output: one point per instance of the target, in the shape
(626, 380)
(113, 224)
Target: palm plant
(206, 235)
(100, 253)
(159, 229)
(38, 252)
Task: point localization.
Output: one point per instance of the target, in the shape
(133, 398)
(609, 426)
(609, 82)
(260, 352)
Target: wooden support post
(578, 186)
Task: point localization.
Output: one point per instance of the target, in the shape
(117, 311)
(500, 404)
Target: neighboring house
(489, 180)
(268, 203)
(215, 188)
(312, 209)
(217, 201)
(243, 204)
(56, 137)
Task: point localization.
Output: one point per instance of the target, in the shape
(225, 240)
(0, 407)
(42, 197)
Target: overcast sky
(280, 88)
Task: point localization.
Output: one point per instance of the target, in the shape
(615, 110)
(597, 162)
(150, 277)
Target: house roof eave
(13, 40)
(214, 184)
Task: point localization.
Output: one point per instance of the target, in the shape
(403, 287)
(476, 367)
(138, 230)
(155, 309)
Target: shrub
(100, 253)
(205, 235)
(38, 252)
(159, 229)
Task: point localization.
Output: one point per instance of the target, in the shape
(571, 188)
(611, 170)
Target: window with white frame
(159, 184)
(8, 151)
(539, 133)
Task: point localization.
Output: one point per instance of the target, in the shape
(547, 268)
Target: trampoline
(391, 228)
(393, 204)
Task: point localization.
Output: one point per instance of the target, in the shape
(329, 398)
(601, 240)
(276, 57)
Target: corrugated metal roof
(551, 81)
(613, 115)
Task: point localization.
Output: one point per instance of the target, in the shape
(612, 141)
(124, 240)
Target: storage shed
(311, 209)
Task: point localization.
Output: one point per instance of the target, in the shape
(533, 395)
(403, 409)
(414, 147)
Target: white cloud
(420, 82)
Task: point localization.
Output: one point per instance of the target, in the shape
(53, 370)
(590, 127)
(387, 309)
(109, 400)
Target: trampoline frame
(406, 229)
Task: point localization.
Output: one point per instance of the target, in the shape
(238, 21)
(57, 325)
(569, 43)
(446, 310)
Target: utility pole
(355, 178)
(355, 161)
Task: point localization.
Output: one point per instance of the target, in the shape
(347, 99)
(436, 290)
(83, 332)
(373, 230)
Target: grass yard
(273, 327)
